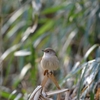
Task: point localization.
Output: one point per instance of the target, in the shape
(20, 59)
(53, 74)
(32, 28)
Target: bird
(49, 60)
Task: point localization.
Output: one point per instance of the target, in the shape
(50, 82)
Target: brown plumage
(49, 60)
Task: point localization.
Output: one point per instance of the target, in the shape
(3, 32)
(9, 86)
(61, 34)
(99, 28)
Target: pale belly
(50, 63)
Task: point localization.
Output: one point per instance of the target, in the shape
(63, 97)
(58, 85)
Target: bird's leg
(52, 77)
(44, 80)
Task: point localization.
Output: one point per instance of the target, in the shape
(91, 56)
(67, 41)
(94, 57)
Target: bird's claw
(46, 72)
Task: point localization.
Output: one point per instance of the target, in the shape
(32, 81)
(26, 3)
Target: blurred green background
(70, 27)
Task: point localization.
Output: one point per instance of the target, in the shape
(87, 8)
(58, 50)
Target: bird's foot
(51, 72)
(46, 72)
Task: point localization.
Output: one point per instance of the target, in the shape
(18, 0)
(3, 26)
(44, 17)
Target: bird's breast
(49, 63)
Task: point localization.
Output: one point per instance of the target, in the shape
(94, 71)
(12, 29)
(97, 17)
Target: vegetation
(70, 27)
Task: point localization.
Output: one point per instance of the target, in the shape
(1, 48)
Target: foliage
(70, 27)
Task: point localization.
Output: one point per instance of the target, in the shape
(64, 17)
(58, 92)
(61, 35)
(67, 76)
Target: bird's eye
(47, 51)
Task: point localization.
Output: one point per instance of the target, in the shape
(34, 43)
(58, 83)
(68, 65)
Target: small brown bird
(49, 60)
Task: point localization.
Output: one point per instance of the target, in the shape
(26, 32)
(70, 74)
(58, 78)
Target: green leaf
(90, 50)
(46, 27)
(55, 9)
(7, 95)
